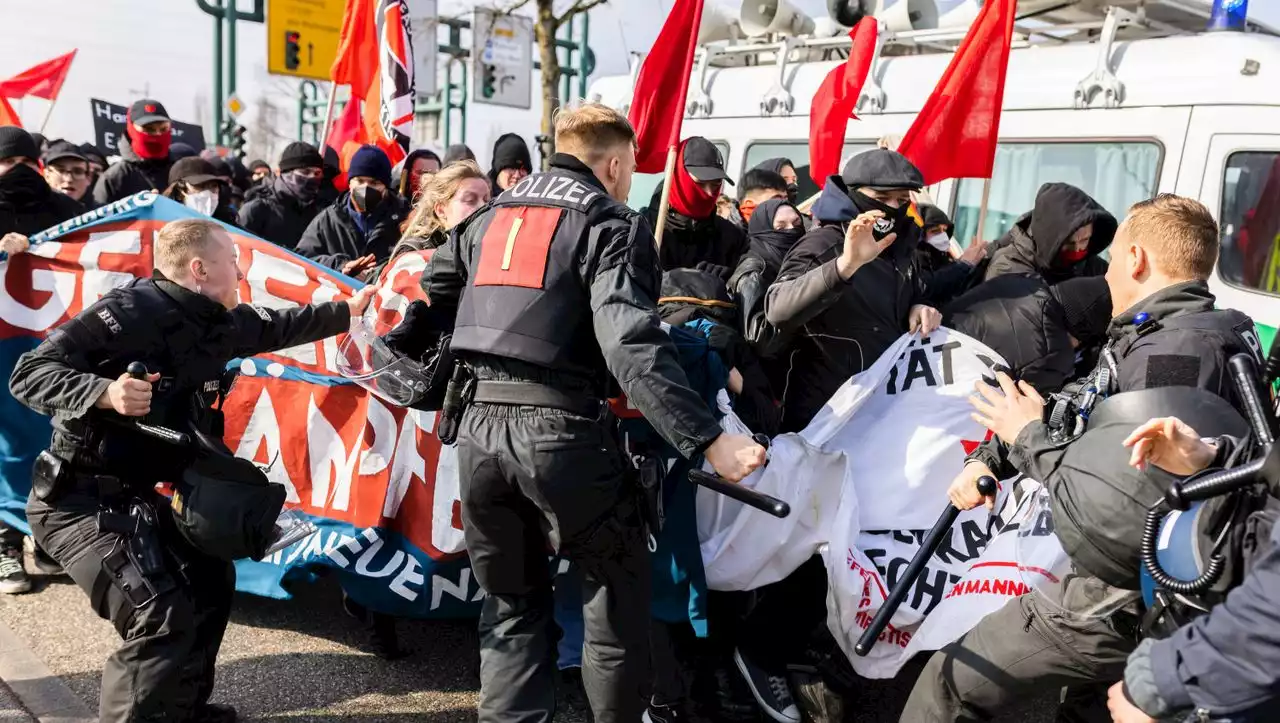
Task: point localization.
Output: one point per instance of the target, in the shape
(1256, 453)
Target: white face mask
(940, 241)
(203, 202)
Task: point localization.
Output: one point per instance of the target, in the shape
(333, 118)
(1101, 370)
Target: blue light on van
(1229, 15)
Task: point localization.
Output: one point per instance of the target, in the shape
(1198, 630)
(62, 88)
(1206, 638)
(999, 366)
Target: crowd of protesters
(788, 303)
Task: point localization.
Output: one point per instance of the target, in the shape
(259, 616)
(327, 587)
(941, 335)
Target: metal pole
(448, 99)
(217, 80)
(566, 83)
(982, 210)
(582, 57)
(48, 113)
(328, 118)
(462, 104)
(231, 47)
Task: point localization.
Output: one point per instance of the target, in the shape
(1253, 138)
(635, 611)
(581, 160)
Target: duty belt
(533, 394)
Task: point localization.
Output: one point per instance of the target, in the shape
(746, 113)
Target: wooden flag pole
(48, 113)
(982, 210)
(667, 178)
(328, 119)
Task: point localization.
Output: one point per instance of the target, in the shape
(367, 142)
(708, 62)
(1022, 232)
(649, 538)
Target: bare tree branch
(578, 6)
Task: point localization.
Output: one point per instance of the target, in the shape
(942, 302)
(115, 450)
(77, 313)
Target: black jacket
(831, 329)
(509, 151)
(28, 205)
(275, 215)
(1018, 317)
(1032, 245)
(333, 238)
(185, 337)
(620, 273)
(712, 244)
(129, 175)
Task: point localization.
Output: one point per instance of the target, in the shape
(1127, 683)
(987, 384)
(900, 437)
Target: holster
(457, 397)
(136, 564)
(50, 477)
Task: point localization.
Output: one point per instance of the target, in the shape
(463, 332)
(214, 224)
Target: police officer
(94, 508)
(1164, 333)
(555, 283)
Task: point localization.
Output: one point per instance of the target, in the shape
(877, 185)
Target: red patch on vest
(516, 246)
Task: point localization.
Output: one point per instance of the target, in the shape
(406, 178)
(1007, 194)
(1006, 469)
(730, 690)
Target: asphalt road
(306, 660)
(11, 711)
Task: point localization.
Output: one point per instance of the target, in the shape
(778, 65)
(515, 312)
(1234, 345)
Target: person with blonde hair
(445, 199)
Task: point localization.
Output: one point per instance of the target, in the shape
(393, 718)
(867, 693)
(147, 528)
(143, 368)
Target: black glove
(420, 331)
(721, 271)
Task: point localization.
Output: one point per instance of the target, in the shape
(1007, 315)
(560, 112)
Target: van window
(1250, 221)
(798, 152)
(643, 184)
(1117, 175)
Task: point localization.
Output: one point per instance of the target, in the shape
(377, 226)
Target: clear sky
(128, 48)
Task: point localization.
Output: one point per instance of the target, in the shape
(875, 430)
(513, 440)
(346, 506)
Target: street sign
(502, 59)
(422, 25)
(302, 37)
(235, 106)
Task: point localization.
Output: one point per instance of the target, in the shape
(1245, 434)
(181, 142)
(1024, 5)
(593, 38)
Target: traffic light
(224, 133)
(488, 80)
(291, 50)
(236, 141)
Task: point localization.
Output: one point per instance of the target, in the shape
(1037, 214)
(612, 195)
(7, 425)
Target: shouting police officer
(94, 508)
(555, 283)
(1164, 334)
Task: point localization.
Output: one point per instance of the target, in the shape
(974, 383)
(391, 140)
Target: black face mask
(902, 223)
(779, 241)
(23, 186)
(793, 193)
(367, 198)
(303, 188)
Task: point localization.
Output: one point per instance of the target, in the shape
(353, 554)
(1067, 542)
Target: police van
(1124, 100)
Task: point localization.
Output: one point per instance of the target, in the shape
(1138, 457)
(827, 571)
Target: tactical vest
(525, 297)
(148, 326)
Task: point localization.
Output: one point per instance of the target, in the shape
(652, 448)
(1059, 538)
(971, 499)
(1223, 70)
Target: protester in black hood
(785, 168)
(946, 275)
(259, 171)
(775, 228)
(144, 155)
(458, 152)
(511, 162)
(194, 183)
(695, 236)
(409, 175)
(286, 204)
(27, 206)
(335, 181)
(1060, 239)
(358, 231)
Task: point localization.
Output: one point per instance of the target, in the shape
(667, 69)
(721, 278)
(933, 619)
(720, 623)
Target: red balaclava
(147, 146)
(687, 197)
(1070, 258)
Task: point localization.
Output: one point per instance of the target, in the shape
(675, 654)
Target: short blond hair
(1179, 232)
(590, 130)
(180, 241)
(439, 189)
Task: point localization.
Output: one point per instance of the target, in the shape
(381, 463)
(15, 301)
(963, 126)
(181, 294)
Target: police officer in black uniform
(94, 507)
(555, 285)
(1165, 334)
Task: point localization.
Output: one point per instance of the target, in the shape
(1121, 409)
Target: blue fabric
(833, 204)
(361, 220)
(23, 434)
(567, 594)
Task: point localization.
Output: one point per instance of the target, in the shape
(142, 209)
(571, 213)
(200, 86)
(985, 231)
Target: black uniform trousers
(537, 481)
(164, 670)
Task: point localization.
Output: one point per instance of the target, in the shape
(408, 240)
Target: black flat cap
(882, 170)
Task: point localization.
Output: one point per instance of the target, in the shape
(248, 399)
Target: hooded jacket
(277, 215)
(509, 151)
(830, 329)
(712, 244)
(1032, 245)
(28, 205)
(131, 174)
(333, 237)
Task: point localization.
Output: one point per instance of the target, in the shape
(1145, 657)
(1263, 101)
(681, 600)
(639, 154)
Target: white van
(1196, 114)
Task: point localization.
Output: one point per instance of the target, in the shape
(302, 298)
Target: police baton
(751, 498)
(138, 370)
(987, 488)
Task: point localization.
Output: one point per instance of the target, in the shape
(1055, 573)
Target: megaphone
(848, 12)
(957, 13)
(718, 23)
(760, 17)
(903, 15)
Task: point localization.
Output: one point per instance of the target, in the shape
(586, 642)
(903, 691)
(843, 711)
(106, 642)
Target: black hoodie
(129, 175)
(28, 205)
(1032, 245)
(509, 151)
(712, 244)
(277, 215)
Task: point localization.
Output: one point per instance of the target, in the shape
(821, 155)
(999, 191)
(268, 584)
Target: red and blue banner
(373, 477)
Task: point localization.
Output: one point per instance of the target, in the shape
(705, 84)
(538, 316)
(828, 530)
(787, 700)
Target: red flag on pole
(43, 80)
(356, 64)
(375, 60)
(955, 134)
(657, 106)
(836, 100)
(8, 117)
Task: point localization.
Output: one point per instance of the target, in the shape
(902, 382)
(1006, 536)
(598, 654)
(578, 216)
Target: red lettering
(986, 586)
(1001, 587)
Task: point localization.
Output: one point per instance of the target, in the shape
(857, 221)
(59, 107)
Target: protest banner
(373, 477)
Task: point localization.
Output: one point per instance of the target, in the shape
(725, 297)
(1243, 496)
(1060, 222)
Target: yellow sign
(302, 37)
(235, 106)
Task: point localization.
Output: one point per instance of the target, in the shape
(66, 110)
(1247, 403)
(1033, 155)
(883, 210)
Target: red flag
(42, 81)
(347, 129)
(357, 62)
(8, 117)
(657, 106)
(836, 100)
(955, 134)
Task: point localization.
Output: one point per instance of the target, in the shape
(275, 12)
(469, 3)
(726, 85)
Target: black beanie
(1086, 306)
(17, 143)
(370, 162)
(300, 155)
